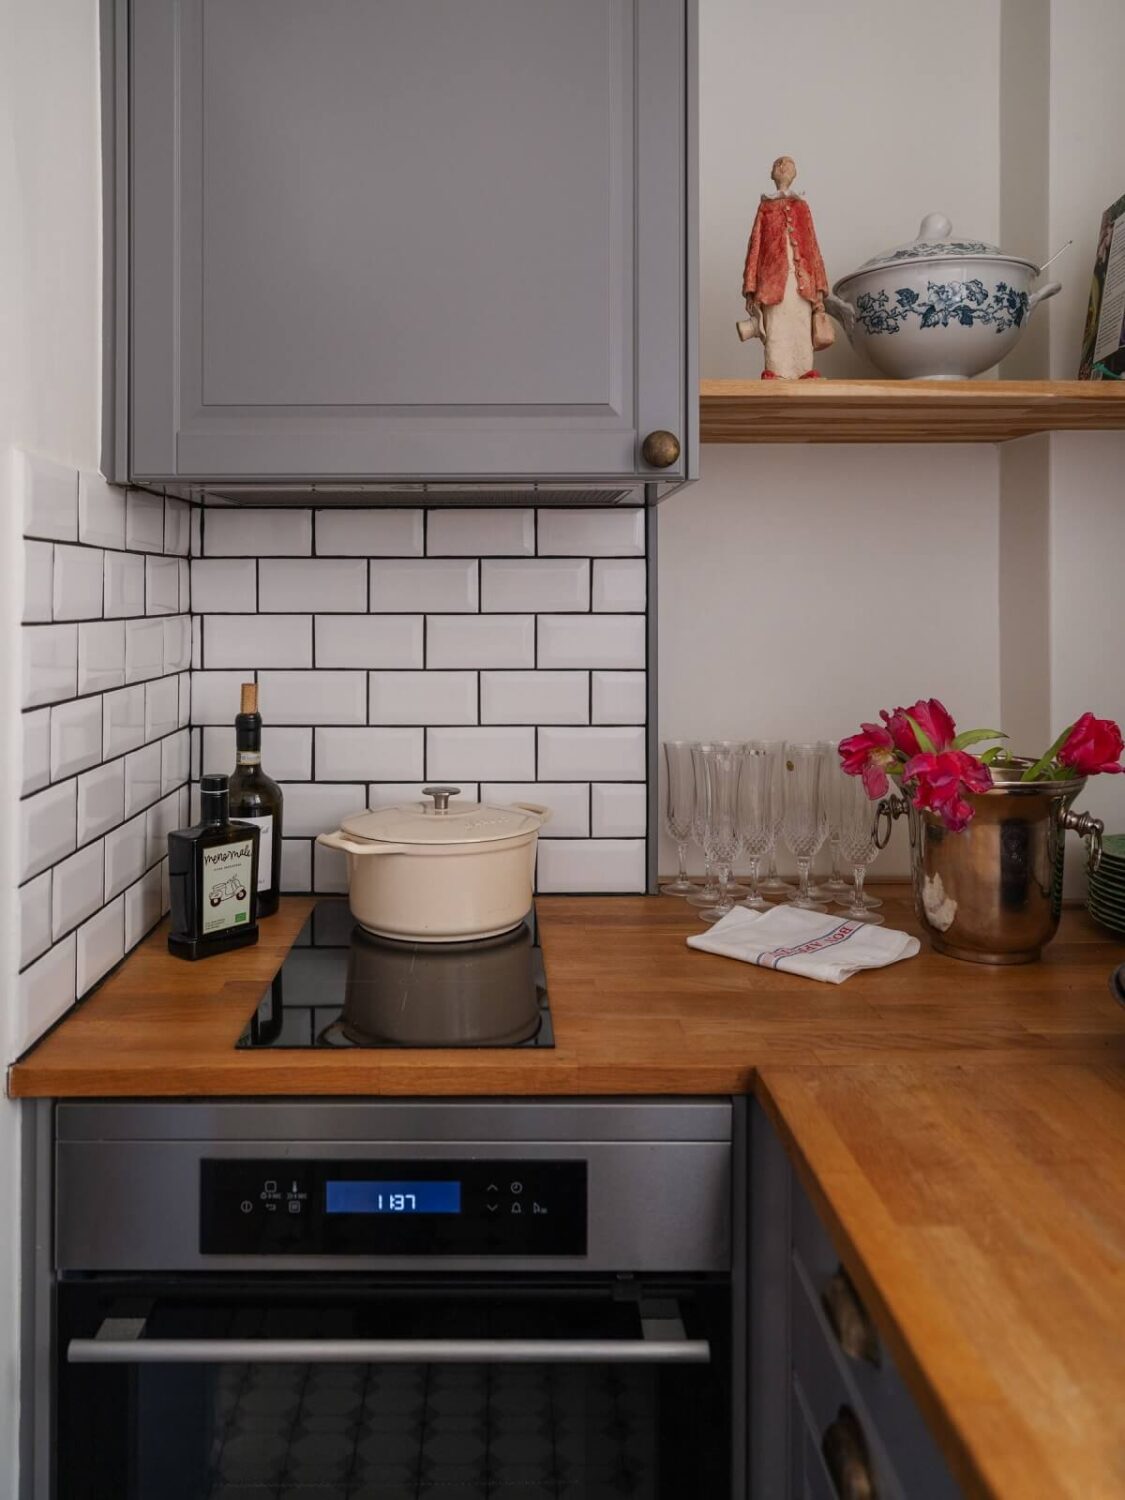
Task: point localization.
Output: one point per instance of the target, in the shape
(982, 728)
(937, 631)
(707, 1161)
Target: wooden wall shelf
(904, 411)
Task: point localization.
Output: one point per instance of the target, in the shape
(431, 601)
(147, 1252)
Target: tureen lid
(438, 820)
(935, 241)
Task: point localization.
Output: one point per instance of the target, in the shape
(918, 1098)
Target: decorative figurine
(785, 283)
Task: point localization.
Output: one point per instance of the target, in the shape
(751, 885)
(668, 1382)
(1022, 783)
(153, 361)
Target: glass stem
(803, 878)
(755, 869)
(724, 881)
(858, 875)
(773, 865)
(708, 873)
(835, 876)
(681, 855)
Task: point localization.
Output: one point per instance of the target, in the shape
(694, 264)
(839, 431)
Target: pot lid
(437, 819)
(935, 241)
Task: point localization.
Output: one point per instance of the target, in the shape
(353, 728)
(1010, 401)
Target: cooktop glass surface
(343, 987)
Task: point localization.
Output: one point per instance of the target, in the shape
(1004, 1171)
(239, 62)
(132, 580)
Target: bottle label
(248, 758)
(226, 885)
(265, 848)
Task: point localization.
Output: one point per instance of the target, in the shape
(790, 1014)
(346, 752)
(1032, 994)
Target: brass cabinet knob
(660, 449)
(845, 1455)
(855, 1333)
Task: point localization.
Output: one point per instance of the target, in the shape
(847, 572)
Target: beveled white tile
(123, 721)
(250, 641)
(534, 697)
(616, 754)
(124, 590)
(534, 583)
(46, 992)
(161, 820)
(312, 808)
(174, 761)
(326, 585)
(185, 699)
(35, 918)
(50, 497)
(36, 768)
(78, 583)
(224, 585)
(215, 697)
(165, 888)
(369, 640)
(38, 581)
(142, 778)
(330, 871)
(423, 698)
(101, 656)
(619, 697)
(312, 697)
(101, 944)
(486, 754)
(185, 585)
(363, 754)
(619, 810)
(286, 752)
(296, 865)
(144, 649)
(251, 532)
(620, 583)
(196, 531)
(50, 663)
(569, 803)
(399, 793)
(495, 532)
(401, 585)
(480, 641)
(76, 736)
(142, 907)
(177, 527)
(101, 800)
(592, 533)
(101, 512)
(162, 707)
(124, 856)
(144, 522)
(196, 642)
(177, 643)
(162, 585)
(591, 641)
(76, 889)
(591, 866)
(369, 533)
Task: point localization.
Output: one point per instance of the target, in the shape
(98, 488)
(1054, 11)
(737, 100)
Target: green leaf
(996, 753)
(975, 736)
(1035, 772)
(924, 741)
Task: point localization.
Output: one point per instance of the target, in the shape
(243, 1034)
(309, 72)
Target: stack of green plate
(1106, 896)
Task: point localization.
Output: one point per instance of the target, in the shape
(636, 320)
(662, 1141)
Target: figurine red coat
(767, 265)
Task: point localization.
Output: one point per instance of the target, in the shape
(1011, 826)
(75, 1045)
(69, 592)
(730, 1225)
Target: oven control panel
(392, 1207)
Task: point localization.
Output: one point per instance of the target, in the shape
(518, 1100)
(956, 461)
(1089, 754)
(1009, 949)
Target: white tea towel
(813, 943)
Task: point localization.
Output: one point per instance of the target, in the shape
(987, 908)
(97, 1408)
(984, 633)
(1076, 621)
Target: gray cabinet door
(396, 238)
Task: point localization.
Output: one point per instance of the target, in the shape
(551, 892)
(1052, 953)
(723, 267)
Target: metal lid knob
(441, 796)
(660, 449)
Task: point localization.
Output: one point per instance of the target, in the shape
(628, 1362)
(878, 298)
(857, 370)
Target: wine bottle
(256, 798)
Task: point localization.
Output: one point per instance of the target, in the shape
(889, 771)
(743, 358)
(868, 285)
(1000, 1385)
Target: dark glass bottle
(213, 870)
(256, 798)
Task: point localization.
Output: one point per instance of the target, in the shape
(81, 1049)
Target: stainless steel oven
(380, 1300)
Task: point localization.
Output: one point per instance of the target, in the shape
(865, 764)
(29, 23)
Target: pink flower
(939, 781)
(932, 717)
(1093, 745)
(869, 754)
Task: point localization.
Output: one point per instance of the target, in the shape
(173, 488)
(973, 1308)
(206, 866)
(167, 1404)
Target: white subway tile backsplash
(592, 533)
(35, 918)
(591, 641)
(123, 721)
(101, 944)
(311, 697)
(76, 736)
(329, 585)
(175, 758)
(185, 585)
(369, 640)
(369, 533)
(144, 649)
(569, 803)
(534, 697)
(250, 641)
(591, 866)
(142, 907)
(494, 532)
(77, 590)
(618, 810)
(616, 754)
(162, 707)
(196, 548)
(215, 697)
(535, 583)
(177, 643)
(162, 585)
(50, 504)
(423, 698)
(251, 532)
(101, 800)
(36, 761)
(101, 512)
(177, 527)
(312, 808)
(144, 522)
(286, 753)
(124, 856)
(296, 865)
(484, 754)
(46, 991)
(38, 581)
(224, 585)
(480, 641)
(76, 889)
(620, 583)
(400, 585)
(330, 871)
(398, 793)
(101, 656)
(375, 754)
(185, 699)
(142, 778)
(124, 585)
(50, 663)
(161, 820)
(619, 697)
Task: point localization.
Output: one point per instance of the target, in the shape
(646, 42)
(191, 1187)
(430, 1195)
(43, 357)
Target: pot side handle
(842, 311)
(340, 840)
(543, 813)
(1042, 295)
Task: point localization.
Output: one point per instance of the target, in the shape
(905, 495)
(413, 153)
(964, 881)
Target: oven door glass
(207, 1390)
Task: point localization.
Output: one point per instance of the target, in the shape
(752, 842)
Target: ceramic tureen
(938, 308)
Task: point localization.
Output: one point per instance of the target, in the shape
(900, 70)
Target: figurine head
(783, 172)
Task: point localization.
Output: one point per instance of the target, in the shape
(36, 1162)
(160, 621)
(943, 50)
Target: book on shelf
(1103, 339)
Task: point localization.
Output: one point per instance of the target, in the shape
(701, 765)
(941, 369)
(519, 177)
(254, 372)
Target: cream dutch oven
(437, 872)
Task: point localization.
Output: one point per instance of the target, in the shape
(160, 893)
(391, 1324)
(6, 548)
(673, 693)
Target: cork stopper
(249, 703)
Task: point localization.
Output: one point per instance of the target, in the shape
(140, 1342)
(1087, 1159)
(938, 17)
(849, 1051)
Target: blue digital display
(356, 1197)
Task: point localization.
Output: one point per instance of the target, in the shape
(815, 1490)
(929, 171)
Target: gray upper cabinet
(404, 240)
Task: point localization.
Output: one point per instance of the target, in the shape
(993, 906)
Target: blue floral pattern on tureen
(958, 302)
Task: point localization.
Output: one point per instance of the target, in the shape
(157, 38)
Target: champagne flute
(803, 825)
(679, 809)
(773, 885)
(857, 845)
(755, 812)
(833, 776)
(708, 893)
(722, 769)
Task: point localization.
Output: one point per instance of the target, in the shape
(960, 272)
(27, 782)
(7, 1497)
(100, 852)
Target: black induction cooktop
(341, 986)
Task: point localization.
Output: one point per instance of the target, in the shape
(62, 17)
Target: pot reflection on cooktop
(340, 986)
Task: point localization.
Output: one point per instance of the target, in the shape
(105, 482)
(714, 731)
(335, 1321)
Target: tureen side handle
(843, 312)
(1042, 294)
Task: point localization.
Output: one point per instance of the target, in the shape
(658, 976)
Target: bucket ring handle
(1088, 828)
(889, 810)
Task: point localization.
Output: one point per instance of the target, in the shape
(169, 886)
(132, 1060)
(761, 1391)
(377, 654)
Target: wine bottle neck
(248, 757)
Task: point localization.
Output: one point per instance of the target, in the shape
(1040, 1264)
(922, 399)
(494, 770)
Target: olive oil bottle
(256, 798)
(213, 870)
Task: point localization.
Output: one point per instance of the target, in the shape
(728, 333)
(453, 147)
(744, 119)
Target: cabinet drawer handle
(855, 1333)
(660, 449)
(845, 1452)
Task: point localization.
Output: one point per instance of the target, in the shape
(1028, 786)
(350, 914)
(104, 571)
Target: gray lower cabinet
(399, 239)
(830, 1416)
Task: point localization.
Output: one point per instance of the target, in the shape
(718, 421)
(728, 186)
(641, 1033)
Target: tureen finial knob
(935, 227)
